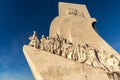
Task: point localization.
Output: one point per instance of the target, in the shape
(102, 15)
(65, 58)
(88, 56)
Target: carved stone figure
(75, 53)
(113, 64)
(36, 43)
(113, 75)
(47, 44)
(42, 40)
(51, 44)
(92, 58)
(82, 54)
(69, 52)
(65, 49)
(56, 46)
(33, 36)
(103, 58)
(34, 40)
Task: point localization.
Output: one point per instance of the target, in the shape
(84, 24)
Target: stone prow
(46, 66)
(29, 52)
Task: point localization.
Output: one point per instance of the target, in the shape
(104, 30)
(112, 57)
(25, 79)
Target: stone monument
(73, 50)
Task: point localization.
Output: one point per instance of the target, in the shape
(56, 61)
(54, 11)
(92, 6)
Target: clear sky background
(19, 18)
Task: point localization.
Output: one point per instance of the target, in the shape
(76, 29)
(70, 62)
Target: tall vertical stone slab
(75, 24)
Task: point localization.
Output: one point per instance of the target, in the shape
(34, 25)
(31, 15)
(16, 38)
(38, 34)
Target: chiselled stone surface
(73, 50)
(78, 29)
(46, 66)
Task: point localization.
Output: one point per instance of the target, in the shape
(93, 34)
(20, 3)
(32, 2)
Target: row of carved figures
(82, 53)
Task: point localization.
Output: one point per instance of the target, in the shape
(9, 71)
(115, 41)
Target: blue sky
(19, 18)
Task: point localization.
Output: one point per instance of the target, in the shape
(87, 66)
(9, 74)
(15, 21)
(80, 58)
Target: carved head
(34, 33)
(43, 36)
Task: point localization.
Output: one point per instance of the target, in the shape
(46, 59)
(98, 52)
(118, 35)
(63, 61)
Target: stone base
(47, 66)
